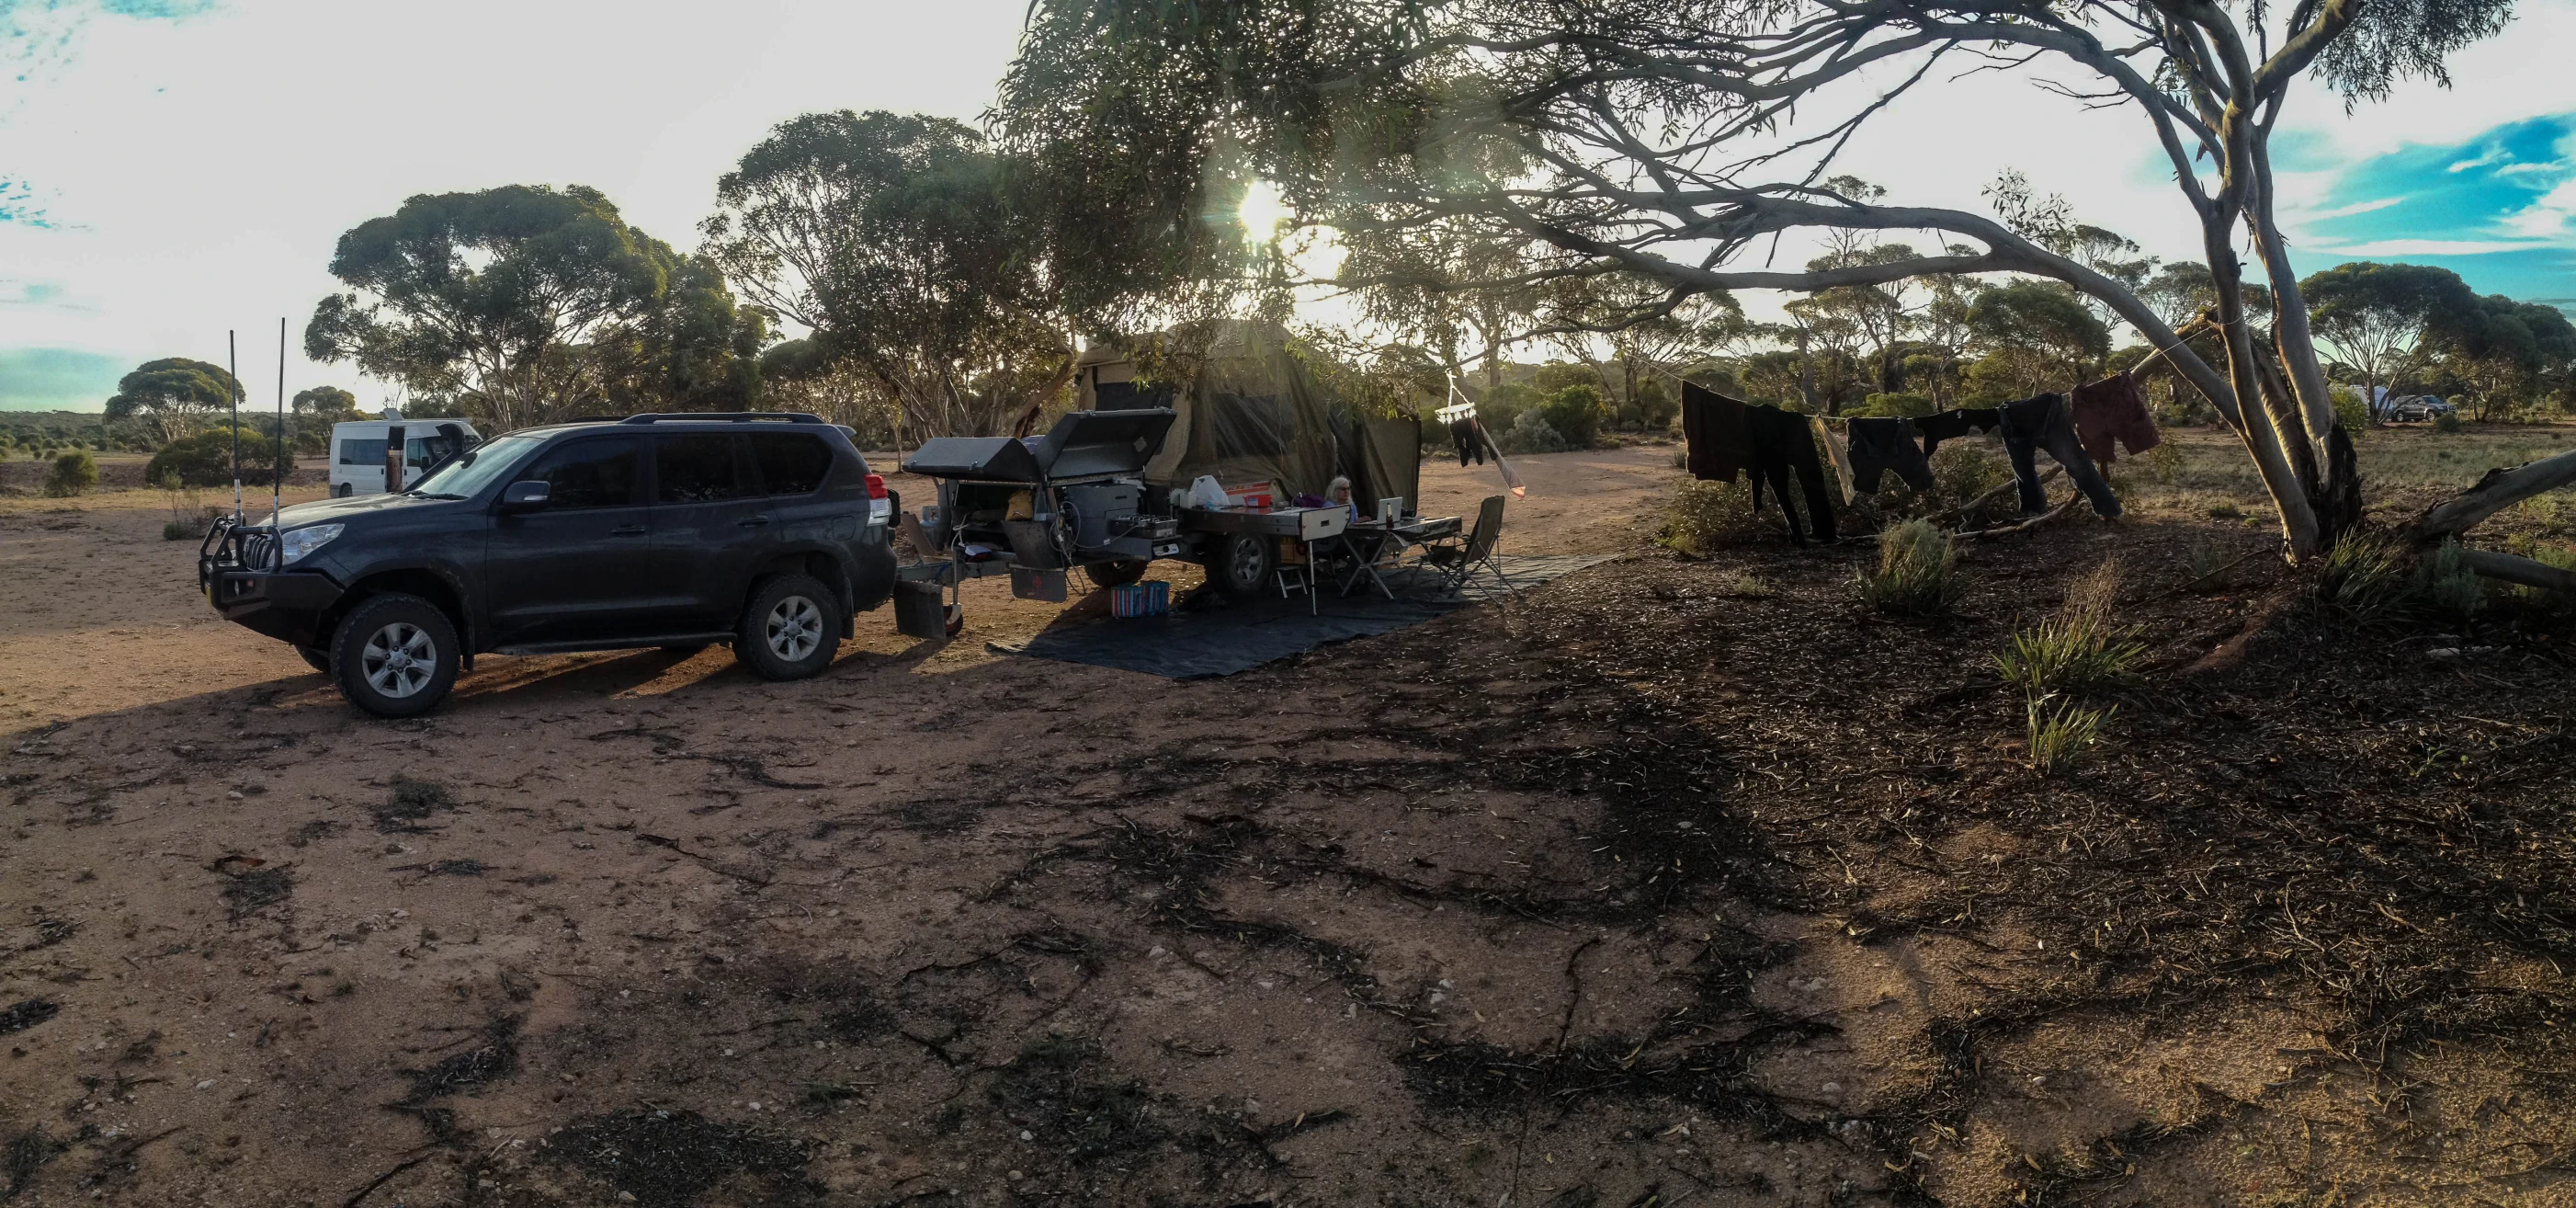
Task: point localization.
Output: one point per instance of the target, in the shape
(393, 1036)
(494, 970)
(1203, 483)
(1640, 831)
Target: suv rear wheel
(395, 655)
(788, 631)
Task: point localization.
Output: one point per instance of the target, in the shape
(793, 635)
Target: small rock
(1026, 1135)
(755, 1106)
(1831, 1088)
(205, 1084)
(1156, 953)
(626, 1197)
(234, 795)
(1016, 1176)
(1263, 984)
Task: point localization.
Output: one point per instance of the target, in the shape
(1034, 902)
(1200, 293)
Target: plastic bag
(1207, 492)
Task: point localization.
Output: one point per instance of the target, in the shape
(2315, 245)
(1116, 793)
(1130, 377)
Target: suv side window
(791, 463)
(596, 473)
(699, 468)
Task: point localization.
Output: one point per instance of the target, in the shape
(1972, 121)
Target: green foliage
(1651, 408)
(1899, 406)
(173, 396)
(1917, 572)
(1963, 470)
(1704, 517)
(2350, 411)
(2042, 325)
(1557, 375)
(2059, 733)
(206, 460)
(1575, 412)
(525, 303)
(1531, 433)
(2164, 463)
(73, 473)
(899, 239)
(2446, 422)
(1504, 404)
(2444, 585)
(2081, 648)
(2541, 600)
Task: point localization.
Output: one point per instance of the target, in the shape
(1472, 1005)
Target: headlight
(299, 542)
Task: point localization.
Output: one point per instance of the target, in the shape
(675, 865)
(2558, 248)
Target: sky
(172, 169)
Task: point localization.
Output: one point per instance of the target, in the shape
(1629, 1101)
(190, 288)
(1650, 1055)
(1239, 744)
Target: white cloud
(2480, 160)
(2551, 215)
(2358, 207)
(2432, 247)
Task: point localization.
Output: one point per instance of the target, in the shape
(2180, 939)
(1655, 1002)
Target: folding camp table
(1387, 543)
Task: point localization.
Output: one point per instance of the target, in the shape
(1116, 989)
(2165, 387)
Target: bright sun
(1264, 208)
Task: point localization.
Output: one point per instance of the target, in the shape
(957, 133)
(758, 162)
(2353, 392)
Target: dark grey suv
(764, 530)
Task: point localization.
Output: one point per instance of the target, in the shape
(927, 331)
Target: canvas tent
(1253, 412)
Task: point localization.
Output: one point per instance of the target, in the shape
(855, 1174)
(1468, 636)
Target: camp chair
(1457, 562)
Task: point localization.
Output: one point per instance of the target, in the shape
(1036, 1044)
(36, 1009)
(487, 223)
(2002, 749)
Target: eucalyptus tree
(173, 397)
(894, 238)
(1678, 140)
(2375, 316)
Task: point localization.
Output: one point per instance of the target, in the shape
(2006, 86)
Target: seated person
(1339, 495)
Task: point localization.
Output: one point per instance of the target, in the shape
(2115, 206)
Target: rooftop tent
(1252, 413)
(1083, 444)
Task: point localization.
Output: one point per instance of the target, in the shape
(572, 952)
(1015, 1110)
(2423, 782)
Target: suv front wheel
(788, 631)
(395, 655)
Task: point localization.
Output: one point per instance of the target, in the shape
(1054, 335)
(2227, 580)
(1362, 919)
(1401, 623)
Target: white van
(358, 449)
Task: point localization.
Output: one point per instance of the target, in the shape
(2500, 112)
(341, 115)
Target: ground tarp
(1223, 641)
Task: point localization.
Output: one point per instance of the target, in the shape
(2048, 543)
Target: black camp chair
(1458, 561)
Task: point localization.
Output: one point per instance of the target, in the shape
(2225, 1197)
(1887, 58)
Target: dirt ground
(1671, 882)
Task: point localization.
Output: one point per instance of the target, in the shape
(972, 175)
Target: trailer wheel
(956, 622)
(1115, 574)
(1242, 564)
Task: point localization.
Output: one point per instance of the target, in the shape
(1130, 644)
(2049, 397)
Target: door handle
(631, 530)
(753, 521)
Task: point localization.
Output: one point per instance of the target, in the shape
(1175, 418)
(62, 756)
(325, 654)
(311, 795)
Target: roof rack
(739, 417)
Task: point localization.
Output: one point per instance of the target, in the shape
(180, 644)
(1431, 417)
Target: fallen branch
(2513, 568)
(1981, 500)
(2500, 489)
(2024, 526)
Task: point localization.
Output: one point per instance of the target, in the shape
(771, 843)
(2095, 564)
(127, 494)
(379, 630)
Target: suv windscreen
(698, 468)
(595, 473)
(480, 467)
(791, 463)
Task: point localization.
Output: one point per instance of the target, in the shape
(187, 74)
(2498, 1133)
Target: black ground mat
(1203, 643)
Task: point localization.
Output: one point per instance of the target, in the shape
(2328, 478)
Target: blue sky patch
(2498, 209)
(57, 379)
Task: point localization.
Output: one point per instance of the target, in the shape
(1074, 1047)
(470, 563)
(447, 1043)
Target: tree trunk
(2500, 489)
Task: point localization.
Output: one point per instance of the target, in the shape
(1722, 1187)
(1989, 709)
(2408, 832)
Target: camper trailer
(362, 450)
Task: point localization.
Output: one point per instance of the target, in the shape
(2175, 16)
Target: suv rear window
(699, 468)
(791, 463)
(597, 473)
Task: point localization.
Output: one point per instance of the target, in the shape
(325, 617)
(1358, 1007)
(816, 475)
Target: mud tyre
(789, 630)
(1241, 566)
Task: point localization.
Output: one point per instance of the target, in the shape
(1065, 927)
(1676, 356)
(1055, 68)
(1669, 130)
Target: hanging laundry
(1783, 443)
(2042, 422)
(1720, 447)
(1462, 432)
(1955, 422)
(2113, 408)
(1880, 443)
(1834, 455)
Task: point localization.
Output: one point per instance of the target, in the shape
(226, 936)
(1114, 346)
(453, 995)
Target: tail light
(880, 501)
(876, 486)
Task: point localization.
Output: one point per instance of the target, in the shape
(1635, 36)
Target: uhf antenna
(232, 366)
(277, 471)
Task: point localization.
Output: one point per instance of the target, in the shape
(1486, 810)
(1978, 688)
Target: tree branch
(2500, 489)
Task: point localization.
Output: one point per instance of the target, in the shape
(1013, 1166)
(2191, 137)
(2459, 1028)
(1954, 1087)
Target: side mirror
(526, 496)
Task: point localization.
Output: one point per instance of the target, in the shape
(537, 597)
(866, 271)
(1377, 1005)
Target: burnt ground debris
(1671, 809)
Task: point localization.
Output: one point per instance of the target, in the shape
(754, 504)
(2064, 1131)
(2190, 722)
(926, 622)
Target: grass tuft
(2079, 650)
(1917, 572)
(2061, 732)
(2365, 575)
(1705, 517)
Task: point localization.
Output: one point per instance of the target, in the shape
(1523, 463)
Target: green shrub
(2080, 649)
(2060, 732)
(1900, 406)
(1917, 572)
(2350, 411)
(1705, 517)
(1531, 433)
(1652, 409)
(1961, 471)
(206, 459)
(2446, 422)
(2164, 463)
(1503, 405)
(74, 472)
(1575, 413)
(2444, 583)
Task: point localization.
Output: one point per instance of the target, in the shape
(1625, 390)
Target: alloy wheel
(399, 659)
(794, 628)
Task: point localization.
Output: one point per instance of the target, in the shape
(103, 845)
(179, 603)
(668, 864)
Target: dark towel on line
(2113, 409)
(1713, 428)
(1955, 422)
(1782, 445)
(2041, 422)
(1462, 432)
(1879, 443)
